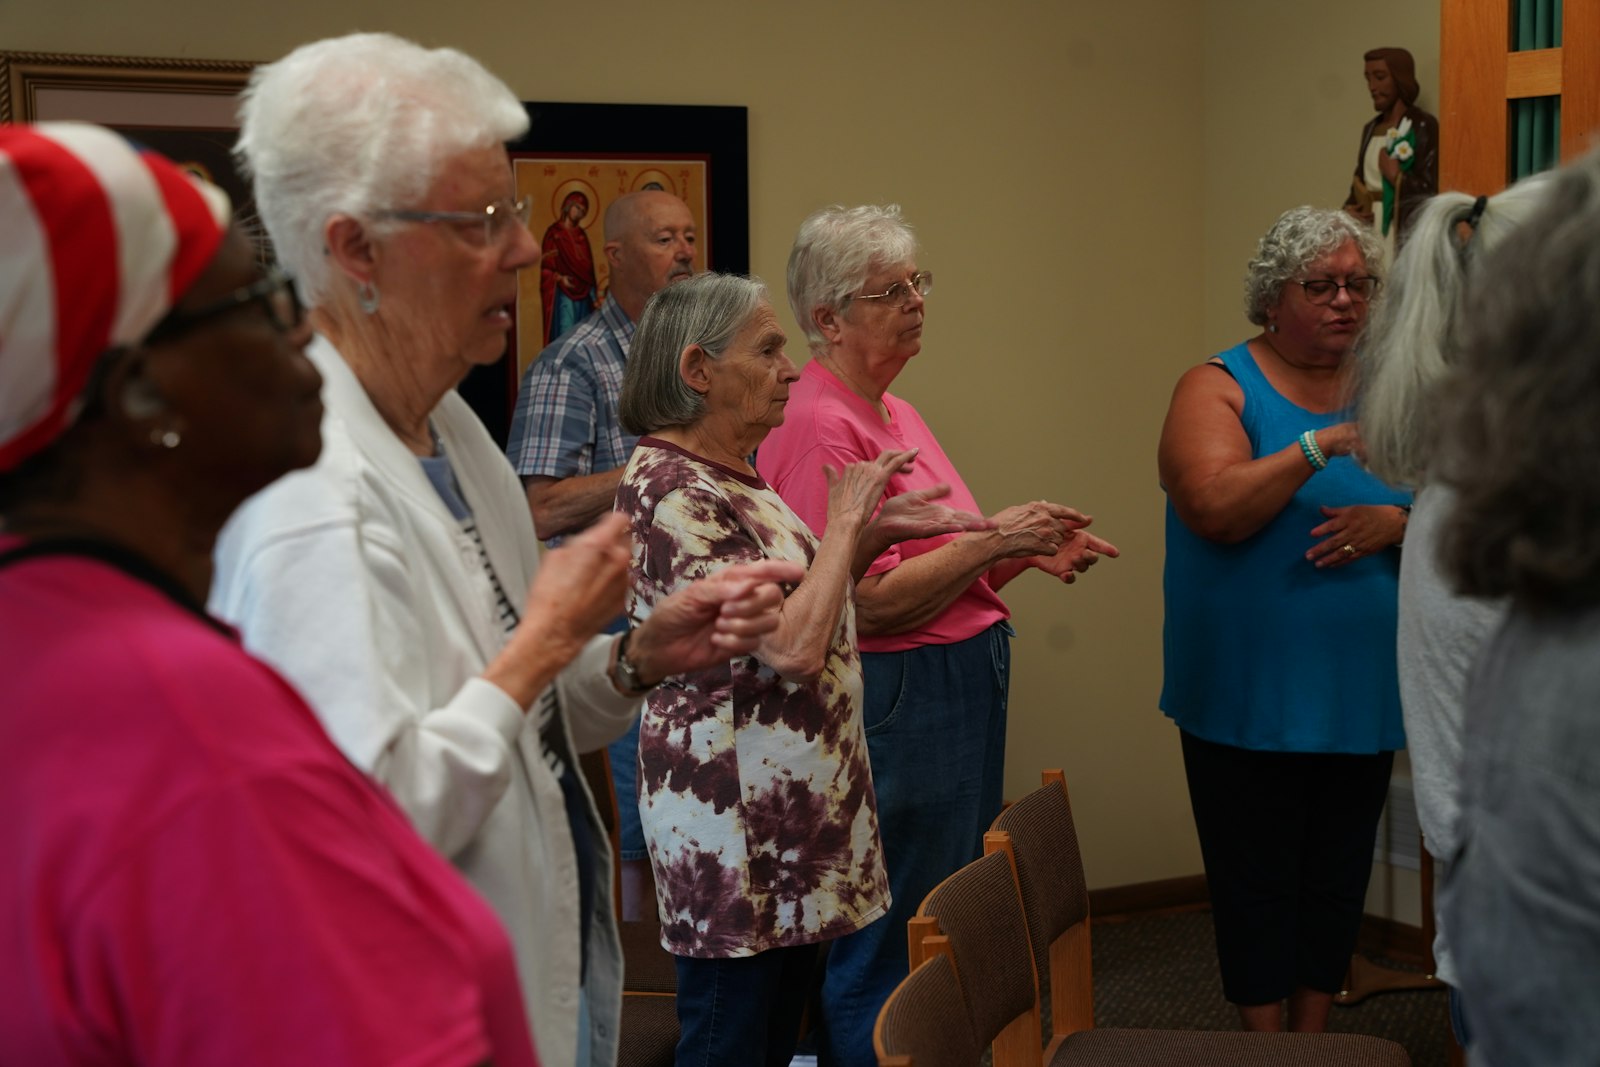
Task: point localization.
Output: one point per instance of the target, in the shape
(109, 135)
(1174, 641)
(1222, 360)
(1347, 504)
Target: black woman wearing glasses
(935, 639)
(1281, 586)
(391, 582)
(196, 874)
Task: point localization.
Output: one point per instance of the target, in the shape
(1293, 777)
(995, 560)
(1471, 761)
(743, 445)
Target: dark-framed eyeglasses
(275, 293)
(495, 219)
(1323, 290)
(899, 294)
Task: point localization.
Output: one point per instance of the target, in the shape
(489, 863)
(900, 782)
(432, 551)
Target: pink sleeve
(277, 922)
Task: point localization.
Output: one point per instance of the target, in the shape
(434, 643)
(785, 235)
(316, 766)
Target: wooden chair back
(1042, 840)
(979, 911)
(924, 1022)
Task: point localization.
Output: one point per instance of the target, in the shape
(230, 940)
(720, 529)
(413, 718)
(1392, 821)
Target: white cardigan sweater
(353, 580)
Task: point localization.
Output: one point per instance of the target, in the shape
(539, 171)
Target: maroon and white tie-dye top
(755, 793)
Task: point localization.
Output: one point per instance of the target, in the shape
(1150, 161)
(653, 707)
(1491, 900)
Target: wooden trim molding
(1170, 894)
(1580, 77)
(1474, 40)
(1533, 73)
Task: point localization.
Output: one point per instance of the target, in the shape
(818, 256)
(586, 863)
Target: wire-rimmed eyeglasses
(496, 219)
(1323, 290)
(275, 293)
(899, 294)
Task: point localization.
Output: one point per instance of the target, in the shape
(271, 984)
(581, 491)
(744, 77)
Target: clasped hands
(582, 585)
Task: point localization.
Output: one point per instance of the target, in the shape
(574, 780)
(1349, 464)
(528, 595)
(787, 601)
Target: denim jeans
(745, 1011)
(936, 735)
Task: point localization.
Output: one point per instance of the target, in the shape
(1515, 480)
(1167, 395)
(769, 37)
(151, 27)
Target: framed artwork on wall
(182, 108)
(575, 160)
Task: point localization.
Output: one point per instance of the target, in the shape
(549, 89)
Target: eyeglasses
(899, 294)
(275, 293)
(496, 219)
(1323, 290)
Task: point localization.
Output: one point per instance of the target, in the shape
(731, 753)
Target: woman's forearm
(1238, 501)
(922, 587)
(798, 648)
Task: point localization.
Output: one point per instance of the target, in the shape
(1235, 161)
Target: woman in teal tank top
(1281, 585)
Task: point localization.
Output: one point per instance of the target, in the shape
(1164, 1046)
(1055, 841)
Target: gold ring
(1348, 550)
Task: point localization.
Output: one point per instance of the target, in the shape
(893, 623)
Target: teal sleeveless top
(1264, 651)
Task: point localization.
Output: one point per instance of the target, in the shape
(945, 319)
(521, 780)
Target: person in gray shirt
(1520, 445)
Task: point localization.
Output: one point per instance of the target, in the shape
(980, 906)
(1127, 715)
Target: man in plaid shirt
(566, 442)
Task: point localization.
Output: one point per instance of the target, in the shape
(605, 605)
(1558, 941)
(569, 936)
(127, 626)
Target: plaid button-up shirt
(565, 422)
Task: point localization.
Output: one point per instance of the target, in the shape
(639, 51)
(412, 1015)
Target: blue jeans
(745, 1011)
(936, 735)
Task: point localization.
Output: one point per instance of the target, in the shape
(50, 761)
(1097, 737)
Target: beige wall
(1087, 180)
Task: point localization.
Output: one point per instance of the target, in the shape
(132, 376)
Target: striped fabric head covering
(98, 240)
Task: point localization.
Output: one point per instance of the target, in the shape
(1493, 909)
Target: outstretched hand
(1080, 551)
(914, 514)
(722, 615)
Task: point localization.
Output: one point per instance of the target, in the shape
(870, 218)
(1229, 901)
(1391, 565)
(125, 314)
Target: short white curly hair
(1300, 237)
(358, 124)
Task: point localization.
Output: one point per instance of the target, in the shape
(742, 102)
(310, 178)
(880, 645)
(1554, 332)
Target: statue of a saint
(1397, 166)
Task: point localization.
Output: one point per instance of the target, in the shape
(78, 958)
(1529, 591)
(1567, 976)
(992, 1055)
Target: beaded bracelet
(1313, 451)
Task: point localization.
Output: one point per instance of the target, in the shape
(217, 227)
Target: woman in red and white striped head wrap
(197, 874)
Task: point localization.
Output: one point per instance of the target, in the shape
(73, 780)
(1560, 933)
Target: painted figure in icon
(567, 288)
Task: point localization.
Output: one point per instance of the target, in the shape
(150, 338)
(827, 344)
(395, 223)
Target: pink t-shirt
(826, 423)
(194, 873)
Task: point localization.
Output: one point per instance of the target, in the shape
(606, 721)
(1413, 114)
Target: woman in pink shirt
(935, 639)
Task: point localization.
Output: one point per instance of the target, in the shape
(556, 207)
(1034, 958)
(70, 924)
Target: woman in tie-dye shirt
(754, 787)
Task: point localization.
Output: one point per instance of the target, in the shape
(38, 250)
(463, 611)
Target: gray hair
(1409, 344)
(1300, 237)
(833, 253)
(707, 310)
(356, 125)
(1519, 440)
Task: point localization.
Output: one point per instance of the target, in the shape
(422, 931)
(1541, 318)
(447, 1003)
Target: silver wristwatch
(624, 674)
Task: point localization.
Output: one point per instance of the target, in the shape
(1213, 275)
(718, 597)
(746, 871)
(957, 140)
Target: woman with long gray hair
(754, 786)
(1406, 353)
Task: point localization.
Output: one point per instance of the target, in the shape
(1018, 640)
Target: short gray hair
(833, 253)
(358, 124)
(1300, 237)
(1410, 343)
(707, 310)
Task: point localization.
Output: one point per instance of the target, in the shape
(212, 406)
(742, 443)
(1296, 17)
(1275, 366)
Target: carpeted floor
(1160, 972)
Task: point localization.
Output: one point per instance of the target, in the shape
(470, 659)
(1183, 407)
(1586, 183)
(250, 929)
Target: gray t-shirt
(1522, 903)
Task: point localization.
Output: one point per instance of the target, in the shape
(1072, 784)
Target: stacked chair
(1026, 899)
(649, 1035)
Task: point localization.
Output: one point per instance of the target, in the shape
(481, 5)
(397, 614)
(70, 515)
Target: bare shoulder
(1206, 385)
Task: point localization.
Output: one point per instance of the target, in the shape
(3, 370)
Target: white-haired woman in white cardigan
(391, 582)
